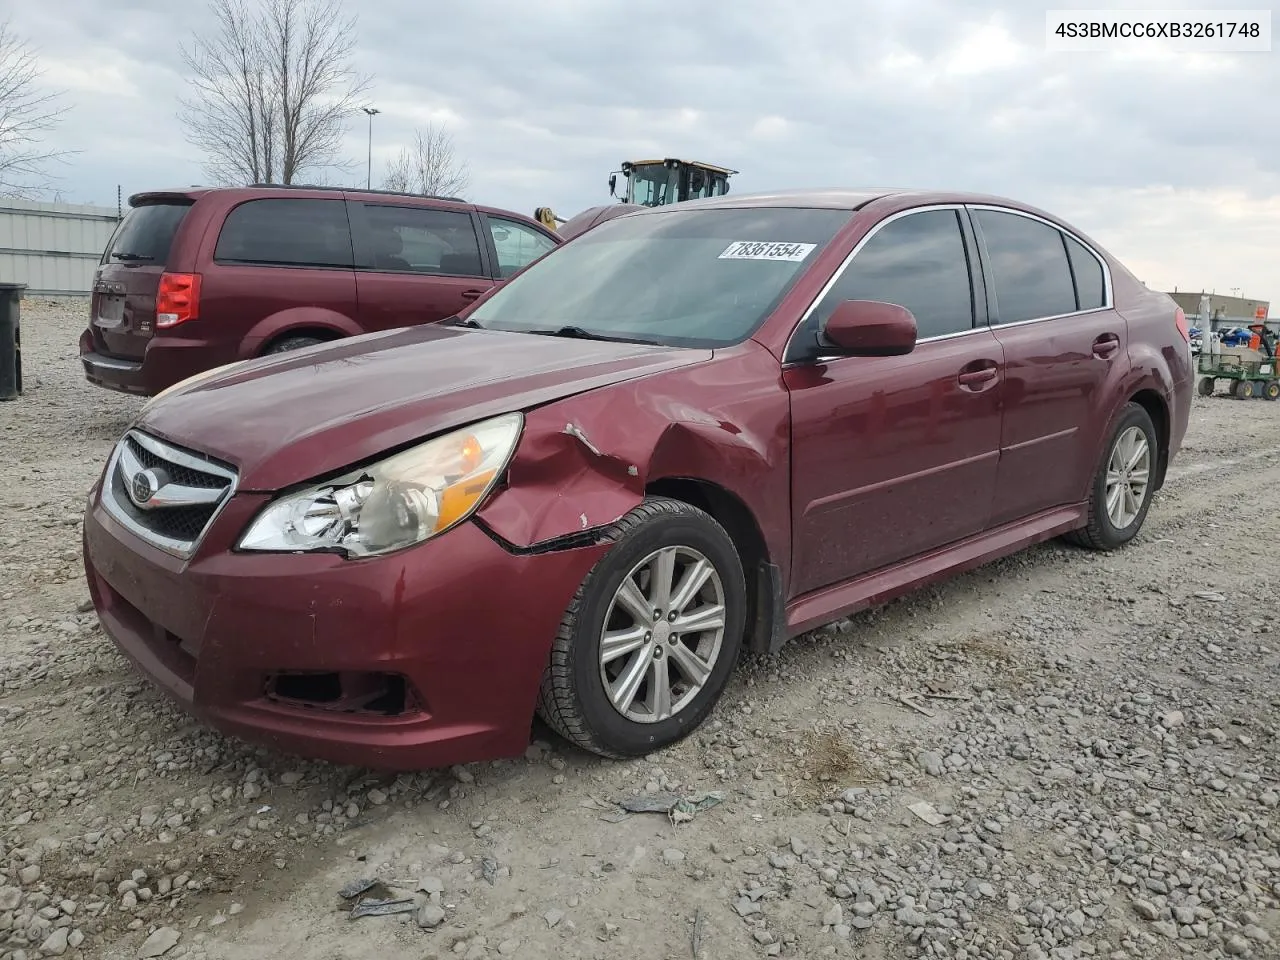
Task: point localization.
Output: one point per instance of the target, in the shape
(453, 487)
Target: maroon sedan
(693, 431)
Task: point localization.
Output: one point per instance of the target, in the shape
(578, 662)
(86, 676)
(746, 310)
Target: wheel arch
(296, 322)
(1158, 410)
(766, 620)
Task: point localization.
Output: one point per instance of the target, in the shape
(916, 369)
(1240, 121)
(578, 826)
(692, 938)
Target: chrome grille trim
(201, 484)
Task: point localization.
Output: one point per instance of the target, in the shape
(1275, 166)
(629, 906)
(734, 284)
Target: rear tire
(1132, 454)
(1206, 386)
(1272, 390)
(292, 343)
(1244, 389)
(676, 678)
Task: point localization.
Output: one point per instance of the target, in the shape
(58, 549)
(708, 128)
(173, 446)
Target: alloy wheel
(1128, 474)
(662, 634)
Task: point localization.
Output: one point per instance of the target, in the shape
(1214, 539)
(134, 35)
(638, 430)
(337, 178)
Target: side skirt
(823, 606)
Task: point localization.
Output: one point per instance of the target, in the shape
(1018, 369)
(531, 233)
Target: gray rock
(553, 917)
(833, 916)
(432, 886)
(430, 915)
(931, 763)
(159, 943)
(1255, 932)
(1146, 910)
(55, 945)
(1237, 946)
(10, 897)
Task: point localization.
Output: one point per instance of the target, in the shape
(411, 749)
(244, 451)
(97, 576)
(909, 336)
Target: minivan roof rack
(385, 193)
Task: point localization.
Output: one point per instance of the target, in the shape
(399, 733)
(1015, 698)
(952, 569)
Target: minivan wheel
(292, 343)
(648, 642)
(1123, 486)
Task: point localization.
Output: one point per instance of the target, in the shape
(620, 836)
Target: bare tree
(272, 89)
(431, 166)
(27, 113)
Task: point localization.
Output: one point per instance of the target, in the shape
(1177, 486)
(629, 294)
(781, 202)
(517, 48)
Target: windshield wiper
(131, 256)
(455, 322)
(578, 333)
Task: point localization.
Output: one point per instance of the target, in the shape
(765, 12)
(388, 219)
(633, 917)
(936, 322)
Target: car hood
(288, 418)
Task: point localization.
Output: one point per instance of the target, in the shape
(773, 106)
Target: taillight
(178, 299)
(1180, 319)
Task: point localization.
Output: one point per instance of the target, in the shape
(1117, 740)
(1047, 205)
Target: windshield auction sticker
(763, 250)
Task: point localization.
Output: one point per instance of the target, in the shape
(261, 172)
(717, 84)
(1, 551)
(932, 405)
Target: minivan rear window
(146, 233)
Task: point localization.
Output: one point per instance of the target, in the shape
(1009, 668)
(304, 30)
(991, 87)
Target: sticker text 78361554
(766, 250)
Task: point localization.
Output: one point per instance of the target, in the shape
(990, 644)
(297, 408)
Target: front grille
(166, 495)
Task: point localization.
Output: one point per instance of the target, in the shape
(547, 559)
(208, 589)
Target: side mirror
(869, 328)
(613, 184)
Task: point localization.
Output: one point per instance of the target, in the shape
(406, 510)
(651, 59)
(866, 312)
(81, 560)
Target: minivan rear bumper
(167, 361)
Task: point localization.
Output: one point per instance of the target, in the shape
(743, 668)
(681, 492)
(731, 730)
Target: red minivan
(194, 279)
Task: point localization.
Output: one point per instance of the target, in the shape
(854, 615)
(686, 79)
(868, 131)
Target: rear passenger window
(421, 240)
(1088, 273)
(288, 233)
(918, 262)
(1028, 265)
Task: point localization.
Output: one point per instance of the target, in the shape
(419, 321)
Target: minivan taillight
(1180, 319)
(177, 299)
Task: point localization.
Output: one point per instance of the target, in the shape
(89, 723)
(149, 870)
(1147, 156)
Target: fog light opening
(383, 694)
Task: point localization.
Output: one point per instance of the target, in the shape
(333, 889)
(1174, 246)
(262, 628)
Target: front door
(1064, 346)
(894, 456)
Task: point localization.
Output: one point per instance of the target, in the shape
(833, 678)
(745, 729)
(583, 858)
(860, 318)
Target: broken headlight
(405, 499)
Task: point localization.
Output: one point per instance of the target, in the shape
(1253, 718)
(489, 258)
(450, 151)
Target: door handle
(973, 378)
(471, 294)
(1106, 345)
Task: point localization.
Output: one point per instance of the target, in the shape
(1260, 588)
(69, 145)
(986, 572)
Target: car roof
(830, 199)
(310, 191)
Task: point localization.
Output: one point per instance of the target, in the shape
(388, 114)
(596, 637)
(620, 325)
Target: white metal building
(53, 248)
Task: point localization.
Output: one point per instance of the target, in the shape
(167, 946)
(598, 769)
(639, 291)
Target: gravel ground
(1087, 764)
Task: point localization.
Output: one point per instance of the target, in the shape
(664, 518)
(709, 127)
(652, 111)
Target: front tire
(646, 647)
(1123, 486)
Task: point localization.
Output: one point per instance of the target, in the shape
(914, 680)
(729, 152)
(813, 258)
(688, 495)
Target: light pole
(369, 175)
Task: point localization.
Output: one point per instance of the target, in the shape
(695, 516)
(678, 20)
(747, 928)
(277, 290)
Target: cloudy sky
(1171, 159)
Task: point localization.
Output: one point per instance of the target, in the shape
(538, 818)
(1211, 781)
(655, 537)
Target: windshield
(692, 278)
(653, 185)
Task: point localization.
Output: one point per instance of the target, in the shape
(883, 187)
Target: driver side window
(918, 261)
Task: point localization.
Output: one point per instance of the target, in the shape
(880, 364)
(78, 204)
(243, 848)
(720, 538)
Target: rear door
(514, 245)
(415, 264)
(122, 308)
(1064, 345)
(274, 255)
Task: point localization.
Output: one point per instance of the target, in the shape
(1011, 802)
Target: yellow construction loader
(650, 183)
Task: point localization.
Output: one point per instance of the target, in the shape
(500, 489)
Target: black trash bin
(11, 340)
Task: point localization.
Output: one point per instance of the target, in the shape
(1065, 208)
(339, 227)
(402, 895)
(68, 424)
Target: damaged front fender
(585, 461)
